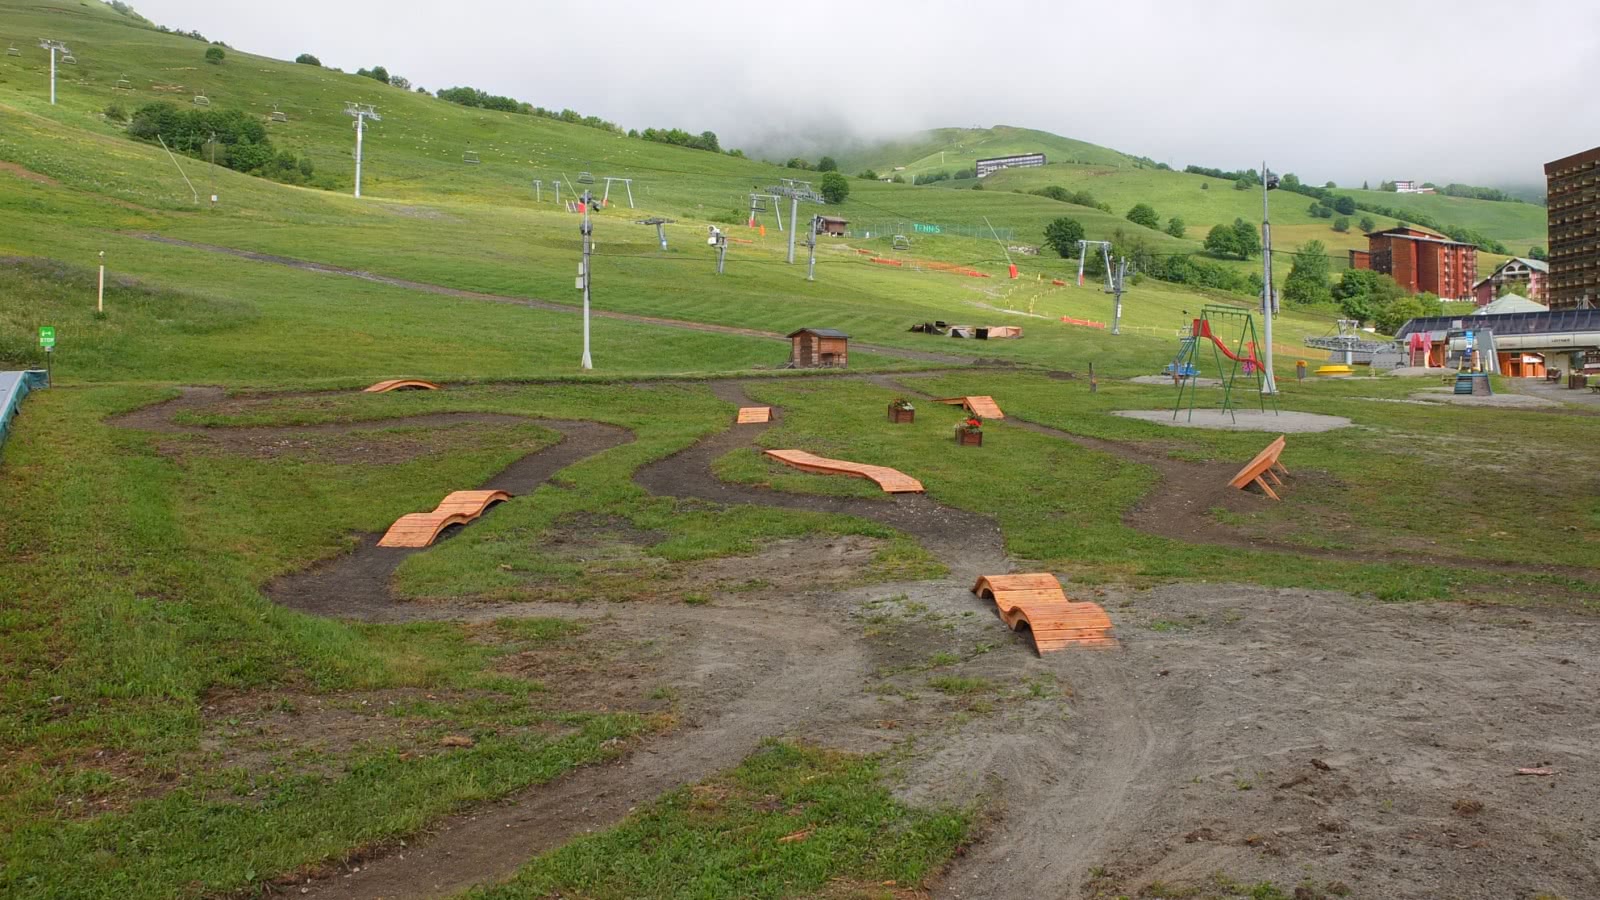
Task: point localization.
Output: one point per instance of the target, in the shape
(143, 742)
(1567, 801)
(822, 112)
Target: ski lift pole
(588, 243)
(811, 244)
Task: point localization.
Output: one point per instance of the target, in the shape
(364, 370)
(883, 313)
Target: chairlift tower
(605, 198)
(1115, 279)
(54, 47)
(587, 230)
(758, 205)
(661, 228)
(796, 191)
(361, 112)
(811, 246)
(1269, 296)
(719, 241)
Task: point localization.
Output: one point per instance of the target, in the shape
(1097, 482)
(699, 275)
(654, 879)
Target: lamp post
(1269, 182)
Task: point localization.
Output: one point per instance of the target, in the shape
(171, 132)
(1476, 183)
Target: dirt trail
(326, 269)
(1179, 507)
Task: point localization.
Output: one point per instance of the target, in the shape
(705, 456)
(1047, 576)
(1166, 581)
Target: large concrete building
(1574, 210)
(1421, 261)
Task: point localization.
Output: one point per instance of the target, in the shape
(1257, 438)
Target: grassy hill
(951, 149)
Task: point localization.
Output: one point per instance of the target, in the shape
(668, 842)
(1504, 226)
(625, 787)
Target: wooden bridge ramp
(982, 407)
(892, 481)
(1263, 467)
(400, 384)
(422, 529)
(1037, 601)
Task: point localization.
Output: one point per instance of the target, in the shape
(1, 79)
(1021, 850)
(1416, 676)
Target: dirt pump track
(1406, 707)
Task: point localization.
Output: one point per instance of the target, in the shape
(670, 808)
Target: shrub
(827, 164)
(868, 175)
(1341, 224)
(115, 112)
(835, 187)
(1144, 214)
(1346, 206)
(1307, 283)
(1063, 236)
(1368, 225)
(1175, 227)
(214, 55)
(306, 59)
(376, 73)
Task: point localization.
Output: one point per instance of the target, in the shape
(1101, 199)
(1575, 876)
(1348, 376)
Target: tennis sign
(47, 337)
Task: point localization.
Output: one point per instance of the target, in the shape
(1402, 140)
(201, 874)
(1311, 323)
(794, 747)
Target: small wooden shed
(811, 348)
(831, 225)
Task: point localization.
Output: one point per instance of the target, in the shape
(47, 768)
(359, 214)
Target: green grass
(790, 821)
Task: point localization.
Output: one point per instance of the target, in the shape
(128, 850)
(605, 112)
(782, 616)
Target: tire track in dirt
(548, 305)
(1179, 506)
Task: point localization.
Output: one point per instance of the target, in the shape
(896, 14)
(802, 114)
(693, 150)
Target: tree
(1346, 206)
(1368, 225)
(1341, 224)
(1246, 239)
(214, 55)
(1394, 316)
(835, 187)
(1242, 184)
(868, 175)
(1144, 214)
(1330, 185)
(1289, 182)
(1205, 185)
(376, 73)
(1221, 241)
(1363, 294)
(827, 164)
(306, 59)
(1537, 252)
(1308, 276)
(1364, 186)
(796, 162)
(400, 81)
(1175, 227)
(1063, 236)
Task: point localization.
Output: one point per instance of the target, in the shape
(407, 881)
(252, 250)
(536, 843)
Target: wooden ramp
(982, 407)
(400, 384)
(892, 481)
(754, 415)
(1037, 601)
(422, 529)
(1263, 467)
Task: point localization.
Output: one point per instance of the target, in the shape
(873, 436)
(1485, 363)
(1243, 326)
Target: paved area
(1283, 422)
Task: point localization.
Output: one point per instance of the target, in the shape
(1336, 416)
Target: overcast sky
(1465, 91)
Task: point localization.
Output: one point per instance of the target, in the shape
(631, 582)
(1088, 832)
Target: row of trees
(1076, 198)
(705, 140)
(233, 138)
(1063, 234)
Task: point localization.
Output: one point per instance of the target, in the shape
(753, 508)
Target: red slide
(1202, 329)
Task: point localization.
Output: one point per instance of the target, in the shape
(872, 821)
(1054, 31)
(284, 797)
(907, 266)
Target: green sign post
(47, 337)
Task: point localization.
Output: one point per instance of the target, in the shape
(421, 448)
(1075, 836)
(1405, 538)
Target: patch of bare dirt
(382, 443)
(11, 168)
(1283, 735)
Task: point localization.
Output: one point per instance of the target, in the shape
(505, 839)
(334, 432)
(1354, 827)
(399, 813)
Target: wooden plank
(422, 529)
(400, 384)
(892, 481)
(1054, 622)
(754, 415)
(983, 407)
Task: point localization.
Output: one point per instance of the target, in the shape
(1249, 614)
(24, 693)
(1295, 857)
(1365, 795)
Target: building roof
(1534, 264)
(820, 332)
(1550, 322)
(1404, 234)
(1576, 159)
(1510, 303)
(840, 219)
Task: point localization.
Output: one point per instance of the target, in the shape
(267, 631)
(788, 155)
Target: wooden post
(100, 293)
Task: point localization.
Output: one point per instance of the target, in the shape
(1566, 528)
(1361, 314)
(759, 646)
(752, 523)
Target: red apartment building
(1421, 261)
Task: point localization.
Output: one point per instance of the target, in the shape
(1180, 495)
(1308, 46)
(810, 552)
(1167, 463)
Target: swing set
(1238, 326)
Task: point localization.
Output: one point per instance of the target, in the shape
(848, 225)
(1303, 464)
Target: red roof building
(1421, 261)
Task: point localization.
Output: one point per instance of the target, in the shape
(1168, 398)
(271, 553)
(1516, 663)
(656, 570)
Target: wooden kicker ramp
(1263, 467)
(1055, 622)
(422, 529)
(754, 415)
(400, 384)
(982, 407)
(893, 481)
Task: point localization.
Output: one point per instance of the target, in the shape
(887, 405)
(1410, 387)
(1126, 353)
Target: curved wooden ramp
(422, 529)
(400, 384)
(1263, 467)
(893, 481)
(982, 407)
(754, 415)
(1036, 600)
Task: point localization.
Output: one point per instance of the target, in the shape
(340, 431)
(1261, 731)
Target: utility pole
(1268, 300)
(811, 243)
(53, 46)
(361, 113)
(583, 274)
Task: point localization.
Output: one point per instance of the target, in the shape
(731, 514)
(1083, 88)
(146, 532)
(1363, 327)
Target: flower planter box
(898, 416)
(969, 438)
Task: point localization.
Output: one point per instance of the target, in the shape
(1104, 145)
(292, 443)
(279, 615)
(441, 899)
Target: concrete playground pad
(1167, 380)
(1502, 401)
(1285, 422)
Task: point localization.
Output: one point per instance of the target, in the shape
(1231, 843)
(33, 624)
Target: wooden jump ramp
(893, 481)
(422, 529)
(982, 407)
(400, 384)
(1036, 600)
(1264, 466)
(754, 415)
